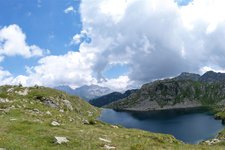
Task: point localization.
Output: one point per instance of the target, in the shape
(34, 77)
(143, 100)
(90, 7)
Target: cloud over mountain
(152, 38)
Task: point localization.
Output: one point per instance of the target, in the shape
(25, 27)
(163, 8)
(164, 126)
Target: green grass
(22, 128)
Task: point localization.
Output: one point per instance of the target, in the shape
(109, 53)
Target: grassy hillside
(26, 115)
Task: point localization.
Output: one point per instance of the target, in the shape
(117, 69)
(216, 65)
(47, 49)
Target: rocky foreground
(42, 118)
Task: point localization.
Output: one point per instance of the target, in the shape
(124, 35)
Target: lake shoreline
(137, 119)
(158, 110)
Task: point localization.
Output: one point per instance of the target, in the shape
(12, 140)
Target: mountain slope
(86, 92)
(66, 89)
(176, 93)
(32, 118)
(109, 98)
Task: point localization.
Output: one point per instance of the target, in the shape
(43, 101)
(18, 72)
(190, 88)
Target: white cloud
(71, 69)
(207, 68)
(118, 84)
(154, 38)
(69, 9)
(13, 42)
(79, 38)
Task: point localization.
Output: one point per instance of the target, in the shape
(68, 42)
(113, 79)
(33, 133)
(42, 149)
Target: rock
(90, 113)
(23, 93)
(61, 110)
(13, 119)
(50, 103)
(55, 123)
(2, 148)
(49, 113)
(10, 90)
(61, 140)
(47, 101)
(109, 147)
(85, 121)
(113, 126)
(71, 119)
(68, 105)
(36, 111)
(104, 140)
(5, 110)
(212, 141)
(4, 100)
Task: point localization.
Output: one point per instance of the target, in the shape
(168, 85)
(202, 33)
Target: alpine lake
(188, 125)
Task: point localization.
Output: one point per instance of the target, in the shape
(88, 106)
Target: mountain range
(86, 92)
(184, 91)
(109, 98)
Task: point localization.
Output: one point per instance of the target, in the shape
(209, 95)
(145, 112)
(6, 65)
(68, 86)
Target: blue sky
(44, 23)
(120, 44)
(47, 25)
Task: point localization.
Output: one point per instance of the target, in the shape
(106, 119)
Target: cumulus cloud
(13, 42)
(156, 38)
(79, 38)
(69, 69)
(153, 38)
(73, 68)
(118, 84)
(70, 9)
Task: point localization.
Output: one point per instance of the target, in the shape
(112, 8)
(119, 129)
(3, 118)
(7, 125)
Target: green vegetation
(26, 115)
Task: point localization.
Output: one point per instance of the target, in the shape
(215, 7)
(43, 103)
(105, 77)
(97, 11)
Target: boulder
(48, 113)
(55, 123)
(109, 147)
(61, 140)
(68, 105)
(4, 100)
(23, 93)
(85, 121)
(104, 140)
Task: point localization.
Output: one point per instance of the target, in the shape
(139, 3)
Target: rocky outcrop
(184, 91)
(211, 76)
(188, 76)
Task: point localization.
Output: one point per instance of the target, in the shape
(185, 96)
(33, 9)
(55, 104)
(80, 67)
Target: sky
(120, 44)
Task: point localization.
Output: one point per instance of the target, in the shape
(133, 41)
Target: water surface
(188, 125)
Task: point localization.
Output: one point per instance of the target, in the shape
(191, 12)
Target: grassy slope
(25, 127)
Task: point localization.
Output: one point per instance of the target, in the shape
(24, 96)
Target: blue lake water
(187, 125)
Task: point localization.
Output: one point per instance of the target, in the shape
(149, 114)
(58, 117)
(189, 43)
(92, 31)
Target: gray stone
(109, 147)
(68, 105)
(55, 123)
(61, 140)
(50, 103)
(85, 121)
(23, 93)
(4, 100)
(104, 140)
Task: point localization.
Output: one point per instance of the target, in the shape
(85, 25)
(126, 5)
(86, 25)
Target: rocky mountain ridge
(185, 91)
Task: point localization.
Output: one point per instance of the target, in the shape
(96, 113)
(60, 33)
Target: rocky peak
(188, 76)
(212, 76)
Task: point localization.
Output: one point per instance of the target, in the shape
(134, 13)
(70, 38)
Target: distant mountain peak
(211, 76)
(86, 92)
(188, 76)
